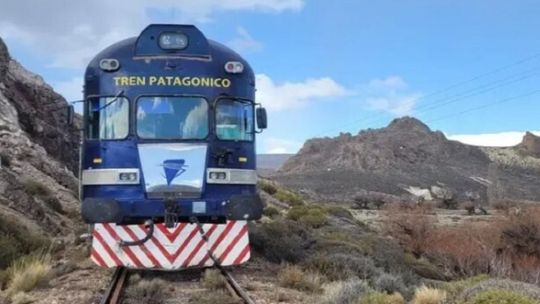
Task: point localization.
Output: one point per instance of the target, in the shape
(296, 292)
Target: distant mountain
(272, 161)
(408, 159)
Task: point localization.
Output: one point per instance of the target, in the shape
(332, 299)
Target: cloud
(502, 139)
(390, 82)
(390, 95)
(398, 105)
(293, 95)
(279, 146)
(71, 32)
(244, 43)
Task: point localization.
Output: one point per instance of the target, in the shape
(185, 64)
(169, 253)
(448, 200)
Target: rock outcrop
(39, 155)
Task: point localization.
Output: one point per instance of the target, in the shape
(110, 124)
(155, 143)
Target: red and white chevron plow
(170, 249)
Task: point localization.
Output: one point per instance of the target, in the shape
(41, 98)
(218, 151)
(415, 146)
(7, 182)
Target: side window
(234, 120)
(108, 118)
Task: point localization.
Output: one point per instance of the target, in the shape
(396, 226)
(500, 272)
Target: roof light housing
(234, 67)
(109, 64)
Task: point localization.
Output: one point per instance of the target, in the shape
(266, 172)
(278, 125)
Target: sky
(468, 68)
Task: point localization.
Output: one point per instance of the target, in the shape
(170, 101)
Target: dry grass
(426, 295)
(213, 279)
(21, 298)
(28, 272)
(382, 298)
(292, 276)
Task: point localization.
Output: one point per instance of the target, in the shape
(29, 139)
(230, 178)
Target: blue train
(170, 121)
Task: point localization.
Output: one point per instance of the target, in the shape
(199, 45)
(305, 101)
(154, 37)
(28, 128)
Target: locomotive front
(170, 123)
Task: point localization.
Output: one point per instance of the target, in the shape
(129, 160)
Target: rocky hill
(407, 159)
(39, 155)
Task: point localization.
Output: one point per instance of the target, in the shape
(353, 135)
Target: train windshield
(162, 117)
(234, 120)
(108, 118)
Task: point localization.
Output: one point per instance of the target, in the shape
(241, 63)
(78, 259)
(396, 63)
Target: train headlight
(216, 175)
(127, 177)
(109, 65)
(173, 41)
(234, 67)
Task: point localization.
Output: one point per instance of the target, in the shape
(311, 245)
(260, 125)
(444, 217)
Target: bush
(454, 289)
(426, 295)
(267, 187)
(340, 212)
(312, 216)
(389, 283)
(344, 292)
(411, 227)
(292, 276)
(36, 188)
(288, 197)
(521, 234)
(28, 272)
(270, 211)
(281, 240)
(382, 298)
(342, 266)
(16, 241)
(524, 289)
(500, 297)
(147, 291)
(213, 279)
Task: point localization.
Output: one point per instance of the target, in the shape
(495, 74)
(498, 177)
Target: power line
(501, 101)
(484, 88)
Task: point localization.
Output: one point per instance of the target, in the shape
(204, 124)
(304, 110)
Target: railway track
(113, 294)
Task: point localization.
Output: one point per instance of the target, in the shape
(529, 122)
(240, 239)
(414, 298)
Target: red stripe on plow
(143, 247)
(232, 244)
(132, 256)
(111, 253)
(97, 258)
(242, 255)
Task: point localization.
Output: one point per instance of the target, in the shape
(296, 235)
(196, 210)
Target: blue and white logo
(173, 168)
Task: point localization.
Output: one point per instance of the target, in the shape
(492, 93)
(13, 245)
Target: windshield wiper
(115, 98)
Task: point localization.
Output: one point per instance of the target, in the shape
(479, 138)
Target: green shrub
(382, 298)
(310, 215)
(342, 266)
(36, 188)
(455, 288)
(281, 240)
(389, 283)
(267, 187)
(497, 296)
(314, 218)
(288, 197)
(339, 211)
(524, 289)
(270, 211)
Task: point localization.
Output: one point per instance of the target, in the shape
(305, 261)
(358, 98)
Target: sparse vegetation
(292, 276)
(28, 272)
(213, 280)
(220, 296)
(339, 211)
(147, 291)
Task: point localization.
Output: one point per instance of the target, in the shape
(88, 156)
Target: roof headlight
(234, 67)
(109, 64)
(173, 41)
